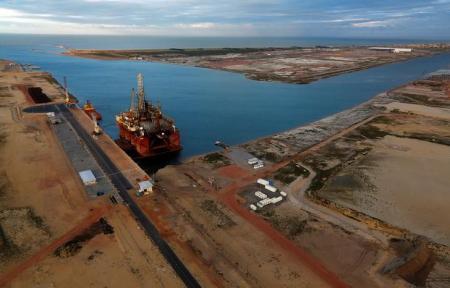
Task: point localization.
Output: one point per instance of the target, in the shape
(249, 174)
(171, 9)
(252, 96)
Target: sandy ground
(405, 184)
(372, 170)
(34, 166)
(238, 252)
(294, 65)
(124, 259)
(43, 202)
(392, 172)
(379, 166)
(419, 109)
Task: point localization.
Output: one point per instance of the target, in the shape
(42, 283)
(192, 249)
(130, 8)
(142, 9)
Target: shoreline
(199, 219)
(294, 65)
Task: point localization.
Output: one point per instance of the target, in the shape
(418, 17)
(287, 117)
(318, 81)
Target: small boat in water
(89, 109)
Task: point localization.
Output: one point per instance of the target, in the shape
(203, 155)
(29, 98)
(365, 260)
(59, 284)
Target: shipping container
(262, 182)
(270, 188)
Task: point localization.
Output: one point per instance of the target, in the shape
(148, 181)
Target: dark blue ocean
(209, 105)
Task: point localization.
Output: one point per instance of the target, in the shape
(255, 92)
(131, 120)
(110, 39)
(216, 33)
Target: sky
(405, 19)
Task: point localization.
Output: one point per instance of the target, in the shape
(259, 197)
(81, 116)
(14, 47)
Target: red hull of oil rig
(145, 130)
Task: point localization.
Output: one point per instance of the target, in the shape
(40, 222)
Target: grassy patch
(8, 248)
(290, 172)
(321, 178)
(74, 246)
(216, 159)
(372, 132)
(421, 99)
(38, 221)
(211, 207)
(291, 226)
(384, 119)
(268, 156)
(430, 138)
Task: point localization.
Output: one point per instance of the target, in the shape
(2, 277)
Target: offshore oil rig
(144, 129)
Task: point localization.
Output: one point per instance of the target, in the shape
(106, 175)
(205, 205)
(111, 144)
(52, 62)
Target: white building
(87, 177)
(392, 49)
(145, 187)
(402, 50)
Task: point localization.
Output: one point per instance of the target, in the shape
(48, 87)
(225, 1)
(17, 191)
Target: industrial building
(145, 187)
(392, 49)
(87, 177)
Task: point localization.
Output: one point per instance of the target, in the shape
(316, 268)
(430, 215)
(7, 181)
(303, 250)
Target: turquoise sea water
(207, 104)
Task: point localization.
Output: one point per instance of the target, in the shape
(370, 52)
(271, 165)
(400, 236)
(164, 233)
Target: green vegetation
(321, 178)
(290, 172)
(216, 159)
(4, 186)
(372, 132)
(7, 247)
(264, 155)
(291, 226)
(74, 245)
(422, 99)
(384, 119)
(427, 137)
(37, 220)
(2, 137)
(211, 207)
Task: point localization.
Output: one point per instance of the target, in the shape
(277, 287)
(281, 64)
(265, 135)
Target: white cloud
(373, 24)
(340, 20)
(203, 25)
(223, 18)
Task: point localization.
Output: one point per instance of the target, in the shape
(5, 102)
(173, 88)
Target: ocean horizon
(167, 42)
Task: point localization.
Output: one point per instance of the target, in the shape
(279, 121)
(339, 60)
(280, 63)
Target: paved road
(122, 184)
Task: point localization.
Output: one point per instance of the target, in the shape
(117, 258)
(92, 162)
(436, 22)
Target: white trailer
(263, 202)
(262, 182)
(270, 188)
(259, 165)
(276, 199)
(260, 195)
